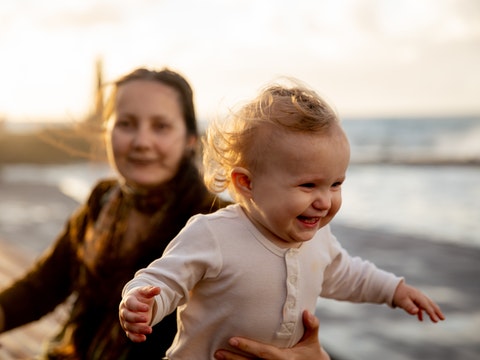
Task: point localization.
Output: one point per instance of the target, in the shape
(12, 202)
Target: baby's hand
(414, 302)
(136, 312)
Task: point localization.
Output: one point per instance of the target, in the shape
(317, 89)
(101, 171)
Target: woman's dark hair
(169, 78)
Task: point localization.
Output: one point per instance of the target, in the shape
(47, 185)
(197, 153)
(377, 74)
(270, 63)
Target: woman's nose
(141, 137)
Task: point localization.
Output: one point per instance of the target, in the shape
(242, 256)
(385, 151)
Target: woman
(151, 137)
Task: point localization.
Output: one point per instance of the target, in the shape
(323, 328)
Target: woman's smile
(142, 161)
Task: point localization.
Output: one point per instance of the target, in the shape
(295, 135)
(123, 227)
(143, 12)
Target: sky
(379, 58)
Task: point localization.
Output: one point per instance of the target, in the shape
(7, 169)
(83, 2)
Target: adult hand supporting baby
(308, 348)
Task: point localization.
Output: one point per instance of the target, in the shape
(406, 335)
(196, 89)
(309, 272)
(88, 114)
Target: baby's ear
(242, 181)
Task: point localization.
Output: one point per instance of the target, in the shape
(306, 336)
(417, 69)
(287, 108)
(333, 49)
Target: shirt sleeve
(357, 280)
(191, 256)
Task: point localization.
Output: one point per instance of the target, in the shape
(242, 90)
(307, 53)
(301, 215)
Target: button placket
(290, 310)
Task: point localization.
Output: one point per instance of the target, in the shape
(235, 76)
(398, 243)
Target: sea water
(410, 176)
(418, 176)
(437, 202)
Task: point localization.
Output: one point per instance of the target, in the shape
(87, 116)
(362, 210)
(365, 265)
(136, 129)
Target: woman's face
(147, 136)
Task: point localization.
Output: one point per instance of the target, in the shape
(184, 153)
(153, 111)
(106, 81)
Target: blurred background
(403, 76)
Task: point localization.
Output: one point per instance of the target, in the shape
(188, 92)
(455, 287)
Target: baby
(252, 268)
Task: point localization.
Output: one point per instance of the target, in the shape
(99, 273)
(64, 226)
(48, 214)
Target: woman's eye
(160, 126)
(124, 123)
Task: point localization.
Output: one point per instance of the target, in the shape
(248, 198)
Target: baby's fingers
(135, 325)
(410, 307)
(433, 311)
(136, 304)
(419, 303)
(420, 315)
(136, 337)
(148, 292)
(133, 317)
(414, 302)
(137, 329)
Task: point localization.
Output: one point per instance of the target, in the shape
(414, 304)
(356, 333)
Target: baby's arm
(136, 312)
(414, 302)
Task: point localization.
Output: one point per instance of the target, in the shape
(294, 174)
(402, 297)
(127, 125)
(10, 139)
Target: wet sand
(448, 273)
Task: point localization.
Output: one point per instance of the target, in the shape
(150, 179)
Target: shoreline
(433, 202)
(448, 272)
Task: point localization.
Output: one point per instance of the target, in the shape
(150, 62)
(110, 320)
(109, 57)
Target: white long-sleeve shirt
(228, 280)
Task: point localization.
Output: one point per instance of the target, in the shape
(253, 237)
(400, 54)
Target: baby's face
(297, 188)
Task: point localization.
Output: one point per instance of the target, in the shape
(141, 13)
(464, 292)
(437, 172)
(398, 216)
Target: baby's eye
(308, 185)
(337, 184)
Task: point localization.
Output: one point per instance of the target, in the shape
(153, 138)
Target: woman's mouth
(138, 161)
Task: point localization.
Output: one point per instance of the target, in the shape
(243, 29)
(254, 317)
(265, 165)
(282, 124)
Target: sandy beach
(448, 273)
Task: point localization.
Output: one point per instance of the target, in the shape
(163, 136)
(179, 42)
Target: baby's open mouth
(307, 219)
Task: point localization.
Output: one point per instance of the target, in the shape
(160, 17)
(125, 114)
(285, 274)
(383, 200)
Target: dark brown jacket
(92, 330)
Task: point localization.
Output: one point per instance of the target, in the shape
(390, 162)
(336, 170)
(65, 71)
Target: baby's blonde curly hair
(243, 138)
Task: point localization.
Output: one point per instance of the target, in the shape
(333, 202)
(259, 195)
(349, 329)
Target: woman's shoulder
(103, 186)
(99, 193)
